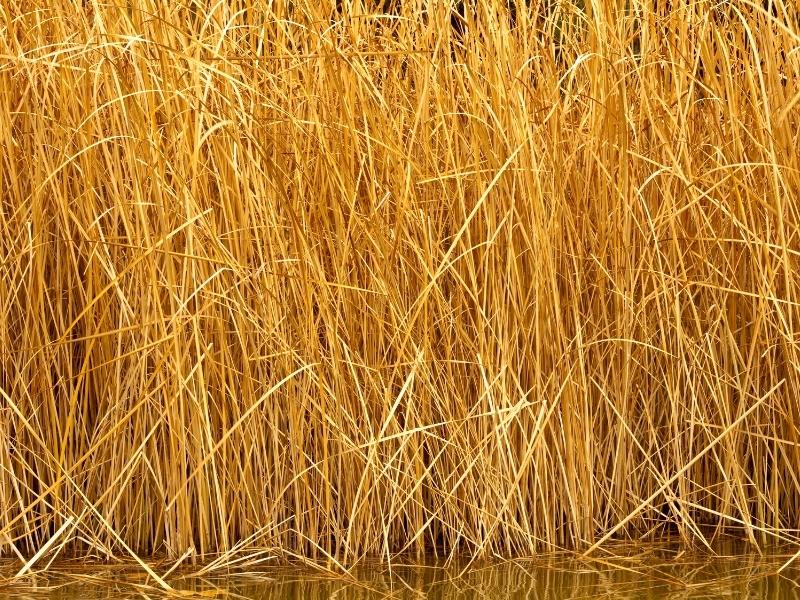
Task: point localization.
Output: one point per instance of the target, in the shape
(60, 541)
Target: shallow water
(642, 572)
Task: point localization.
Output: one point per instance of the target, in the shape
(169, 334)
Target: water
(643, 572)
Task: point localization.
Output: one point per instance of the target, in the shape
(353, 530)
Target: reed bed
(330, 280)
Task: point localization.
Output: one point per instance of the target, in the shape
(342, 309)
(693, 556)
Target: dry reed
(328, 280)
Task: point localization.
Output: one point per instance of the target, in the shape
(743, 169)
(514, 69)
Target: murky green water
(649, 572)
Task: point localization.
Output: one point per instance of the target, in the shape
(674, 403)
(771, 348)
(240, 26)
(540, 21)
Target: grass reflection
(627, 572)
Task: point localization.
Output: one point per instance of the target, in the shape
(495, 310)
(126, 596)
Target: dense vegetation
(326, 279)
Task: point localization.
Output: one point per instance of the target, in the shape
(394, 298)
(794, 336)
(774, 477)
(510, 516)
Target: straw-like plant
(333, 279)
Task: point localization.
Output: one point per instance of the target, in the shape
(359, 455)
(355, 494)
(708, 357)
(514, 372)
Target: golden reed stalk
(328, 280)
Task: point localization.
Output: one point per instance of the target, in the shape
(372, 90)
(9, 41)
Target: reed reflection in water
(650, 572)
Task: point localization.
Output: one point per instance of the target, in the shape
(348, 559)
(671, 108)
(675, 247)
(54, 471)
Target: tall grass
(329, 280)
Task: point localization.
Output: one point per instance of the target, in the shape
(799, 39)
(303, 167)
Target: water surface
(641, 572)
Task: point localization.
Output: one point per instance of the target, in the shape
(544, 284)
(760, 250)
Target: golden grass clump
(333, 279)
